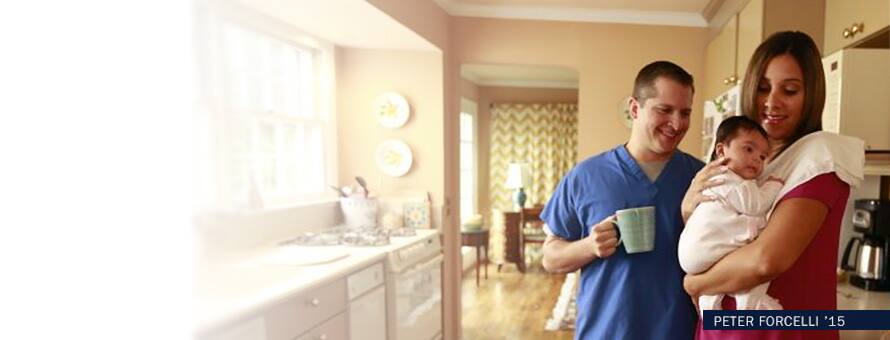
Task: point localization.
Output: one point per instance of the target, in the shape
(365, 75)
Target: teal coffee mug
(636, 229)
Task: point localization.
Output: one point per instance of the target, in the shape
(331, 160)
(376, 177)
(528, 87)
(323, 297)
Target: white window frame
(469, 107)
(211, 32)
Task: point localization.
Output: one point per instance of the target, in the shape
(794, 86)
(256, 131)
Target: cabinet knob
(854, 29)
(857, 28)
(314, 302)
(731, 80)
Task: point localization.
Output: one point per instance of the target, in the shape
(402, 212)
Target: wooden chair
(531, 228)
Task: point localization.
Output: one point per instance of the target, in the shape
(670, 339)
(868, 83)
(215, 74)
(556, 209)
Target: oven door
(415, 311)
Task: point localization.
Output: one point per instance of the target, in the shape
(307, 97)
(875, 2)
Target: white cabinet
(849, 21)
(728, 53)
(350, 306)
(299, 314)
(333, 329)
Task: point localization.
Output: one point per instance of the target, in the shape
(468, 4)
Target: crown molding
(546, 84)
(687, 19)
(711, 8)
(722, 14)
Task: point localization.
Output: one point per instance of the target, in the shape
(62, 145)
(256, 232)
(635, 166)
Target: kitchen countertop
(244, 284)
(855, 298)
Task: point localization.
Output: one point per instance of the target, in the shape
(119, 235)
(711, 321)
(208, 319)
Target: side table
(479, 240)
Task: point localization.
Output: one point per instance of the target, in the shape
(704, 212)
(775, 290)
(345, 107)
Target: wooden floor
(509, 304)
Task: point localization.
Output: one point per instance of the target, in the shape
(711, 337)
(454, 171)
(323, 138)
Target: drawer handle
(322, 337)
(314, 302)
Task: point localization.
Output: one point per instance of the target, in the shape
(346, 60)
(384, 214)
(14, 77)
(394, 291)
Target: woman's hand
(694, 295)
(702, 181)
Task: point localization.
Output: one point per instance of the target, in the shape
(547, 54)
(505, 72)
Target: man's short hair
(644, 85)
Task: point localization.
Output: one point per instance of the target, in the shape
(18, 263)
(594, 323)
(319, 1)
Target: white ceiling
(694, 13)
(520, 76)
(342, 22)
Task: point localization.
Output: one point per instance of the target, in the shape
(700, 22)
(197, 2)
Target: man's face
(662, 121)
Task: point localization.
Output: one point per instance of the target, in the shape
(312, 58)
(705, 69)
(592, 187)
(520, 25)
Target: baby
(738, 214)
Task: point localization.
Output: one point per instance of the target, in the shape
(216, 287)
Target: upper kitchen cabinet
(728, 53)
(750, 29)
(720, 60)
(847, 22)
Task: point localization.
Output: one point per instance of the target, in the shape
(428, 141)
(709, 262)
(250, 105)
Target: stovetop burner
(363, 237)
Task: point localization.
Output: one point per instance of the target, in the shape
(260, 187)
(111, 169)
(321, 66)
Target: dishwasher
(414, 289)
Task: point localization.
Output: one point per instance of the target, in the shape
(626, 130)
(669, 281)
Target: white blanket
(815, 154)
(719, 227)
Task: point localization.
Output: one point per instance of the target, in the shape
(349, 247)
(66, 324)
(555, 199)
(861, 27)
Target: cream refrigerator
(726, 105)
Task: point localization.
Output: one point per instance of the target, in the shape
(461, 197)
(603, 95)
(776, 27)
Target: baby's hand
(775, 179)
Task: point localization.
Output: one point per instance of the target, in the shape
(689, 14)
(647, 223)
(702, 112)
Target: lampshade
(517, 176)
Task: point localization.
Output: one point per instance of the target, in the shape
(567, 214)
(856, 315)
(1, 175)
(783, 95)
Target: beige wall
(607, 57)
(489, 95)
(362, 75)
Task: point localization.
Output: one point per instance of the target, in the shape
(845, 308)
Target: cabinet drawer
(302, 312)
(365, 280)
(333, 329)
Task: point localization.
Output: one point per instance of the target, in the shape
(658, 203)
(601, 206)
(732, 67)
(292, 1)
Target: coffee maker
(871, 267)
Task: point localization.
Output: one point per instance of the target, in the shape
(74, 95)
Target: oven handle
(423, 266)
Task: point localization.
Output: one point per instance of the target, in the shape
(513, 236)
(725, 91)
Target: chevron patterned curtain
(544, 136)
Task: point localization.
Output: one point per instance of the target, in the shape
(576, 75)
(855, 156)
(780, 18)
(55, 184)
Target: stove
(341, 235)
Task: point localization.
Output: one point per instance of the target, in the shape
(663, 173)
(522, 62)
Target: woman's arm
(794, 223)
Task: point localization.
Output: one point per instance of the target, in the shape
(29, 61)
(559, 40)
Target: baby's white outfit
(718, 227)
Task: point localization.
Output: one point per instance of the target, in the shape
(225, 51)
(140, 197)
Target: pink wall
(469, 90)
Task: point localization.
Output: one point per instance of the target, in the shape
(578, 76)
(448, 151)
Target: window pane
(315, 179)
(275, 78)
(466, 126)
(466, 208)
(466, 156)
(290, 82)
(466, 183)
(305, 92)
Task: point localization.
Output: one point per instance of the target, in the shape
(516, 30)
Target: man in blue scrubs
(630, 296)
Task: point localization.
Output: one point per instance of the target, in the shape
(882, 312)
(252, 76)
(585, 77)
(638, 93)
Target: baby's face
(747, 151)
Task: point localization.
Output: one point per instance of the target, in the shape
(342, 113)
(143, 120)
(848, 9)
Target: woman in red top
(784, 90)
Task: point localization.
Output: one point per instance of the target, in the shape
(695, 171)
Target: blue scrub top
(627, 296)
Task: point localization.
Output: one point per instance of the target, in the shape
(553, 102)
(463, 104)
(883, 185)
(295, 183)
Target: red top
(811, 283)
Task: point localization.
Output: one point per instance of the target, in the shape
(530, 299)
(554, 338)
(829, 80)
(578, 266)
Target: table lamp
(518, 178)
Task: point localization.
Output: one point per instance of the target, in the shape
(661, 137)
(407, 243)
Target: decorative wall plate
(624, 112)
(392, 110)
(393, 158)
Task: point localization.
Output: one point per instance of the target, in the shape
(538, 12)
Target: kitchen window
(270, 115)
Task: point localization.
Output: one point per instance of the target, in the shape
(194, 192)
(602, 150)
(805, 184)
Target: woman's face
(780, 95)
